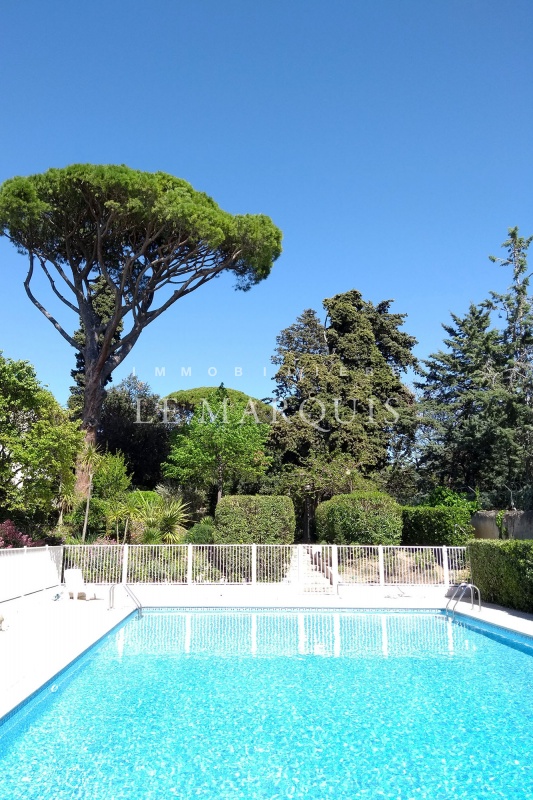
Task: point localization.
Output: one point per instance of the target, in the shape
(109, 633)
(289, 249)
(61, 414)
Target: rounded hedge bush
(201, 533)
(359, 518)
(434, 526)
(259, 519)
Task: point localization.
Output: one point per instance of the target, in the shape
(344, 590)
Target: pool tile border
(6, 717)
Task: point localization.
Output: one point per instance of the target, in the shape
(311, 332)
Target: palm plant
(163, 520)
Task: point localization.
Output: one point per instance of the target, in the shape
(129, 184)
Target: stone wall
(519, 525)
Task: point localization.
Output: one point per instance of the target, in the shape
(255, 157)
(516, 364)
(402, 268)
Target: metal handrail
(464, 586)
(134, 598)
(111, 602)
(129, 592)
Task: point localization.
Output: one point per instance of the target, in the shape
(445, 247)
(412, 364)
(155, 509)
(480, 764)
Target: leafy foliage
(359, 518)
(242, 519)
(145, 237)
(202, 532)
(38, 443)
(503, 571)
(98, 520)
(442, 496)
(477, 396)
(11, 537)
(111, 479)
(133, 423)
(222, 443)
(343, 410)
(181, 405)
(163, 520)
(436, 526)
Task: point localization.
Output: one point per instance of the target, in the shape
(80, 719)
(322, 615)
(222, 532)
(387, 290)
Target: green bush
(97, 522)
(359, 518)
(442, 496)
(201, 533)
(435, 526)
(503, 571)
(263, 519)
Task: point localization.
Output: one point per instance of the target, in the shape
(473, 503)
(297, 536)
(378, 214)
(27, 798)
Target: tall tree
(150, 236)
(103, 302)
(340, 390)
(222, 443)
(477, 395)
(134, 423)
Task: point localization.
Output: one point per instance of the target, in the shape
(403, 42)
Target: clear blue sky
(389, 139)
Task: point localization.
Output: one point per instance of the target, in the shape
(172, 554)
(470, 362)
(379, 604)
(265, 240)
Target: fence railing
(24, 570)
(308, 568)
(312, 568)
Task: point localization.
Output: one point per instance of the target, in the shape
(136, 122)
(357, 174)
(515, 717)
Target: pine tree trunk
(220, 480)
(87, 505)
(92, 414)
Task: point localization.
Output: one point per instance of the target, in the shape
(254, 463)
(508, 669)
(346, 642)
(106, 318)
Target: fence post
(254, 563)
(23, 572)
(189, 564)
(335, 567)
(125, 563)
(381, 565)
(300, 566)
(445, 566)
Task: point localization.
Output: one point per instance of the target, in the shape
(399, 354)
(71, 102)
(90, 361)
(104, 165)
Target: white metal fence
(307, 568)
(24, 570)
(312, 568)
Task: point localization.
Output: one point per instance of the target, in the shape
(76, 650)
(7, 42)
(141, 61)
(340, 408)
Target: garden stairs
(312, 578)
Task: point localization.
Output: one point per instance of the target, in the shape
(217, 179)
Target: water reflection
(264, 634)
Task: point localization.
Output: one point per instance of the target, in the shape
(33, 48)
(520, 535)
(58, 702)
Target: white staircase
(305, 570)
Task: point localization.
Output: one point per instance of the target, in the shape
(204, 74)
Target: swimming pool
(280, 704)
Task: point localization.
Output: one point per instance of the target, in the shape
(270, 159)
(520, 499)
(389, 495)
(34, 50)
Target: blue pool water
(280, 704)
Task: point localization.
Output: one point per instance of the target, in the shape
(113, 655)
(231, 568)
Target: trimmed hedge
(434, 526)
(503, 571)
(201, 533)
(263, 519)
(359, 518)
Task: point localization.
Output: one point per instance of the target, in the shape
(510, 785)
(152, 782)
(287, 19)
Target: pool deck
(42, 636)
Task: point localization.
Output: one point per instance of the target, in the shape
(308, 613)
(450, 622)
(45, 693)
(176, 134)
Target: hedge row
(363, 517)
(263, 519)
(435, 526)
(503, 571)
(359, 518)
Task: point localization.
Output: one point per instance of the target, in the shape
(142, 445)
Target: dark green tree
(340, 396)
(150, 236)
(477, 394)
(134, 423)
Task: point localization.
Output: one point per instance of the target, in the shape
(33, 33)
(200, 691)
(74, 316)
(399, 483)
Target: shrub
(201, 533)
(435, 526)
(11, 537)
(503, 571)
(263, 519)
(442, 496)
(97, 522)
(163, 521)
(359, 518)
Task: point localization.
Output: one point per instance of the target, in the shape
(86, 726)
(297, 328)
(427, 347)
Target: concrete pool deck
(42, 636)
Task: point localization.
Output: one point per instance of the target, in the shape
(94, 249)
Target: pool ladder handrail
(464, 586)
(129, 592)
